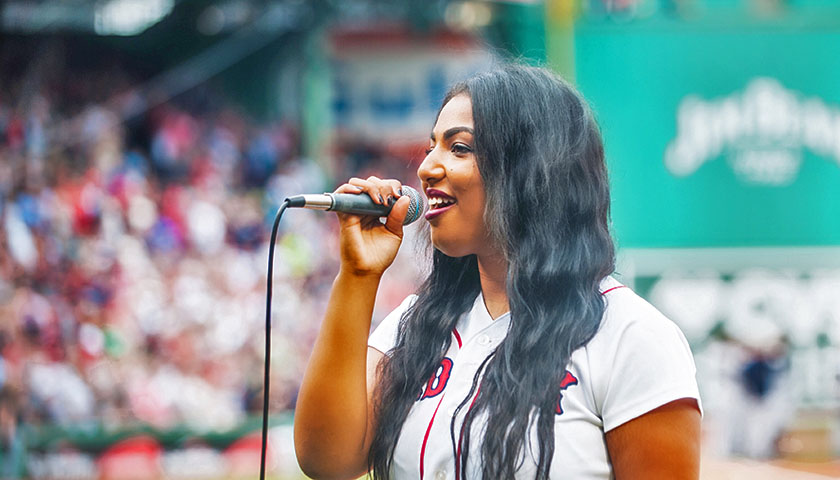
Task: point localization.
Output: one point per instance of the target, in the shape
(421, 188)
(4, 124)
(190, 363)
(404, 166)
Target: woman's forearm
(331, 416)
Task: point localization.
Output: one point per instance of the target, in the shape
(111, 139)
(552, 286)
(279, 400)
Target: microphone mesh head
(416, 208)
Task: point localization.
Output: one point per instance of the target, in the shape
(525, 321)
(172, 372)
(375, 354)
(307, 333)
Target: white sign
(762, 130)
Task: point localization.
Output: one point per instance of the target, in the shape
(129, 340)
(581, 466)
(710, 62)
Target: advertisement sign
(388, 85)
(717, 136)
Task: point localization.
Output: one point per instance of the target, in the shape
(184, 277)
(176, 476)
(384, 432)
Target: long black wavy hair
(540, 155)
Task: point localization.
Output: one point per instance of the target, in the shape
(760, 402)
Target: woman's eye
(461, 149)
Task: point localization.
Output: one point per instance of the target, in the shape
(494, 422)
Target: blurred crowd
(133, 251)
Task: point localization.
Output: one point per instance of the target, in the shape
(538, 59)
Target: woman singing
(519, 356)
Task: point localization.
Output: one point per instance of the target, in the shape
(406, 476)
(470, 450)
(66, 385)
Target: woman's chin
(455, 251)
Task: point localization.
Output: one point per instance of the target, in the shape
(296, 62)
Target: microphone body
(359, 204)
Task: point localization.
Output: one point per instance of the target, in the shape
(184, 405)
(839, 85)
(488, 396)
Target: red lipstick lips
(434, 213)
(439, 202)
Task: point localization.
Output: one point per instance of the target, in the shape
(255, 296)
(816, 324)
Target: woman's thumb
(394, 222)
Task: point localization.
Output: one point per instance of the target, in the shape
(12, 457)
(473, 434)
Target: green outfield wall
(719, 133)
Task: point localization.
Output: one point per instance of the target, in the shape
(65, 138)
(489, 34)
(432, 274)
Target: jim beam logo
(762, 131)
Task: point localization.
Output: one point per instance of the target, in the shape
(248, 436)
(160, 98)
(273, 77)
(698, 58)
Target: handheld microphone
(359, 204)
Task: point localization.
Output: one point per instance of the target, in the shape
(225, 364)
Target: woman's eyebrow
(453, 131)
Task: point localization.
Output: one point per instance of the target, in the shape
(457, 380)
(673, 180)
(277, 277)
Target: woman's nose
(430, 169)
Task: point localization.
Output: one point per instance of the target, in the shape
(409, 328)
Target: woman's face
(453, 184)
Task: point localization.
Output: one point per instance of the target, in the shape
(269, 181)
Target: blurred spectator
(133, 259)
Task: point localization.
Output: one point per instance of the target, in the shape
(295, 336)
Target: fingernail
(381, 200)
(400, 192)
(391, 200)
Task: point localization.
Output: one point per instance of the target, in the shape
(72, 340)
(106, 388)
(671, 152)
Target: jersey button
(440, 476)
(484, 340)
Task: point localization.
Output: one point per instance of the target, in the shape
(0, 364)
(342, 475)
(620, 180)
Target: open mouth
(439, 202)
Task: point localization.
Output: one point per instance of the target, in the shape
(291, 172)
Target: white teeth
(437, 202)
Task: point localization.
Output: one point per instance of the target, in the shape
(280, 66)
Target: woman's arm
(333, 415)
(661, 444)
(333, 407)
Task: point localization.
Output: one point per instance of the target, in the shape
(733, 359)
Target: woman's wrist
(358, 274)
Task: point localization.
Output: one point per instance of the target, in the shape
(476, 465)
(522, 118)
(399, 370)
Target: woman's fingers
(368, 187)
(382, 192)
(395, 187)
(347, 188)
(387, 192)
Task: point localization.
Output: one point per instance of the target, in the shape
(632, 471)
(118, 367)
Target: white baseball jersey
(639, 360)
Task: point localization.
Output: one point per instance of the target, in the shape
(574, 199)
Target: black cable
(268, 334)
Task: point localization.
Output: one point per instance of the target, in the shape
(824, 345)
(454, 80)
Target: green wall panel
(638, 76)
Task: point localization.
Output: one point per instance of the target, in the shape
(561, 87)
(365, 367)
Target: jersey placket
(472, 352)
(456, 344)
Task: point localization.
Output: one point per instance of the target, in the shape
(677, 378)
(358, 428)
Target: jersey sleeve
(384, 336)
(642, 362)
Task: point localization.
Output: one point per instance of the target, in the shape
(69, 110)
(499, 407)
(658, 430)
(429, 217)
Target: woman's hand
(368, 247)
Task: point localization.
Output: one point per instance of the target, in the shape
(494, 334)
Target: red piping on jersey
(432, 420)
(611, 289)
(426, 436)
(461, 437)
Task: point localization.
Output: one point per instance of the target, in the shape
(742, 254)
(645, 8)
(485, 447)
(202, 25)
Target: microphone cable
(268, 334)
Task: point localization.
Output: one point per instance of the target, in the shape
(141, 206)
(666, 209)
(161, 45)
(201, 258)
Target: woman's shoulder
(627, 312)
(638, 360)
(634, 335)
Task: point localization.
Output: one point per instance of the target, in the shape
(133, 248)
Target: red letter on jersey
(437, 383)
(568, 381)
